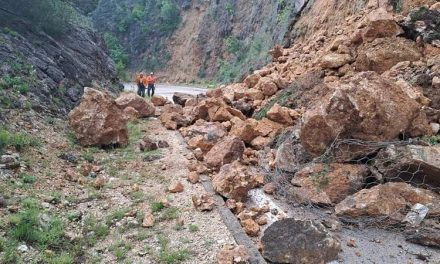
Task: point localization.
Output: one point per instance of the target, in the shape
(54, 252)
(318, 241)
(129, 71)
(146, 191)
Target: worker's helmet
(151, 73)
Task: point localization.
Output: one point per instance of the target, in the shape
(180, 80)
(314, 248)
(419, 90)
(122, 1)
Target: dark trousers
(141, 90)
(150, 91)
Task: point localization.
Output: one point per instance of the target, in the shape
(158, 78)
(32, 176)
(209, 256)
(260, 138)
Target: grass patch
(170, 256)
(71, 139)
(120, 249)
(432, 140)
(193, 228)
(27, 178)
(34, 227)
(157, 207)
(94, 230)
(170, 213)
(19, 141)
(115, 216)
(137, 197)
(280, 99)
(142, 235)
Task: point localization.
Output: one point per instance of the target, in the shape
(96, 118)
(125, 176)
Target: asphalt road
(167, 90)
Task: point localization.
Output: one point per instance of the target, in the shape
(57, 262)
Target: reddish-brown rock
(245, 130)
(250, 227)
(193, 177)
(269, 188)
(225, 151)
(215, 93)
(159, 100)
(147, 144)
(148, 220)
(259, 142)
(328, 184)
(267, 86)
(98, 121)
(280, 115)
(201, 142)
(388, 200)
(382, 54)
(235, 180)
(144, 107)
(203, 202)
(174, 120)
(268, 128)
(365, 106)
(176, 187)
(335, 60)
(232, 255)
(181, 98)
(252, 80)
(380, 24)
(130, 114)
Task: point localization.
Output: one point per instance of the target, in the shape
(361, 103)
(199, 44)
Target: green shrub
(120, 249)
(193, 228)
(229, 8)
(170, 256)
(17, 140)
(169, 15)
(10, 31)
(157, 207)
(117, 53)
(28, 179)
(232, 45)
(27, 226)
(37, 13)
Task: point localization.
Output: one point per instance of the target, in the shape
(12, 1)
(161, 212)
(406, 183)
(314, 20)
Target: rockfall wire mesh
(390, 161)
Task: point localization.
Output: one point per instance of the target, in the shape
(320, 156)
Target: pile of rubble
(374, 82)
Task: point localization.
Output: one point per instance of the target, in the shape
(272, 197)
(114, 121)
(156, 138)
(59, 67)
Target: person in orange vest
(140, 81)
(151, 82)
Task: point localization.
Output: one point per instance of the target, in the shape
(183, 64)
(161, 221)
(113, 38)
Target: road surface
(167, 90)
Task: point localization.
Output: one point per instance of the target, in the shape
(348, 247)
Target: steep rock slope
(193, 39)
(227, 39)
(48, 72)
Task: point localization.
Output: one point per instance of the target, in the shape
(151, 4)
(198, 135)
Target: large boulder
(380, 24)
(268, 128)
(98, 120)
(212, 130)
(225, 151)
(387, 201)
(233, 181)
(252, 80)
(144, 108)
(328, 184)
(245, 130)
(159, 100)
(291, 155)
(299, 242)
(216, 109)
(173, 117)
(280, 114)
(174, 120)
(382, 54)
(413, 163)
(364, 106)
(267, 86)
(181, 98)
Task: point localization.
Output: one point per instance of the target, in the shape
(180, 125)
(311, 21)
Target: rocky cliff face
(48, 73)
(220, 40)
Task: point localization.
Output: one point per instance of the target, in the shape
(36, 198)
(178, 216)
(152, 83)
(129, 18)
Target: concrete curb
(232, 224)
